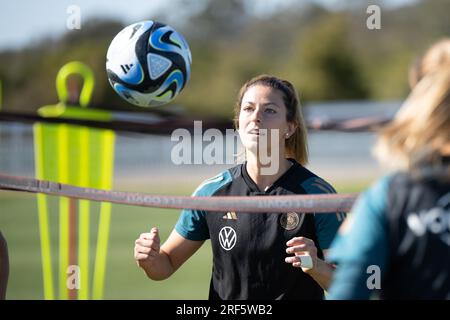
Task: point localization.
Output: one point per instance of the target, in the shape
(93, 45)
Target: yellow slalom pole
(75, 67)
(44, 232)
(81, 161)
(107, 143)
(83, 244)
(63, 170)
(82, 173)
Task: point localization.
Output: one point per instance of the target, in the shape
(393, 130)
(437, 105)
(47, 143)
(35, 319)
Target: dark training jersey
(249, 249)
(402, 227)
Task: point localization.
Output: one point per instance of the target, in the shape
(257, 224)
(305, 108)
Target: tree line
(328, 55)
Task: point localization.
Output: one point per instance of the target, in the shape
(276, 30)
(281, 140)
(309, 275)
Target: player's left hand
(305, 252)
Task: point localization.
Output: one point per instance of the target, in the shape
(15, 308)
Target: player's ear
(291, 128)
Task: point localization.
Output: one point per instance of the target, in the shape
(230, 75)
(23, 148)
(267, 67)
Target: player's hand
(305, 253)
(146, 247)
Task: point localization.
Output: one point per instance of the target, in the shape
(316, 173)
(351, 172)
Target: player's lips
(255, 132)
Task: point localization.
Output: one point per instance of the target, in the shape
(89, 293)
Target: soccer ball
(148, 63)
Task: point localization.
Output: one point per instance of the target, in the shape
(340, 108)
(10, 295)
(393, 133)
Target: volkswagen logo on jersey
(227, 238)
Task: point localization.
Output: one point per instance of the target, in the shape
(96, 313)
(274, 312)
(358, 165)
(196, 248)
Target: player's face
(262, 107)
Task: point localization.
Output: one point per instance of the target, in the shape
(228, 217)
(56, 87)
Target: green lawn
(124, 280)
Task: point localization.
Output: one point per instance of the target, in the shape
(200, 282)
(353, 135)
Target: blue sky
(25, 21)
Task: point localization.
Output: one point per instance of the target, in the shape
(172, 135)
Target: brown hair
(296, 145)
(420, 131)
(435, 58)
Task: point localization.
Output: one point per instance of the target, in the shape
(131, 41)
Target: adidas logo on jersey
(231, 215)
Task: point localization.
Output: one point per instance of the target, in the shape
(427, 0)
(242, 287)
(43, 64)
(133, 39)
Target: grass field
(124, 280)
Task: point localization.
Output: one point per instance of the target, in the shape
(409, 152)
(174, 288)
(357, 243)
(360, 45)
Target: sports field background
(124, 280)
(142, 164)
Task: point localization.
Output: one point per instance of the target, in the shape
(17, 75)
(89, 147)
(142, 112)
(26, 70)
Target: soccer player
(397, 239)
(256, 256)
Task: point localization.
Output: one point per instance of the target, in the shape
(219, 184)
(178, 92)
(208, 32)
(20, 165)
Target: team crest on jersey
(291, 220)
(227, 238)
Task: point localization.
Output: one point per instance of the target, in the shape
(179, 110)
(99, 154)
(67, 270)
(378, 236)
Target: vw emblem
(227, 238)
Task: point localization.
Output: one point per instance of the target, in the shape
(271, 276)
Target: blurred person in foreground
(256, 256)
(396, 242)
(4, 267)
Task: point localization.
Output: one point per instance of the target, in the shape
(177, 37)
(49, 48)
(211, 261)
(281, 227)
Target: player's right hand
(147, 247)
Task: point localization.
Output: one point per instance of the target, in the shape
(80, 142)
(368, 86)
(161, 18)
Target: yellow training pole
(63, 175)
(107, 159)
(84, 225)
(80, 156)
(44, 232)
(80, 165)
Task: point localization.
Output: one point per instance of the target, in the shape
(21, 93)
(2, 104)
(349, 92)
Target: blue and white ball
(148, 63)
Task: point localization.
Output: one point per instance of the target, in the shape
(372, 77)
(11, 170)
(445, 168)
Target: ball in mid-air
(148, 63)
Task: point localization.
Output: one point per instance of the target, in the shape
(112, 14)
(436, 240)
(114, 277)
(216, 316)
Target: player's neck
(261, 175)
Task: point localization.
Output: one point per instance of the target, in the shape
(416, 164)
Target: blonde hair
(420, 131)
(296, 145)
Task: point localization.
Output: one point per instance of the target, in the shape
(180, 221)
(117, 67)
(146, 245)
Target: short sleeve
(326, 224)
(192, 224)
